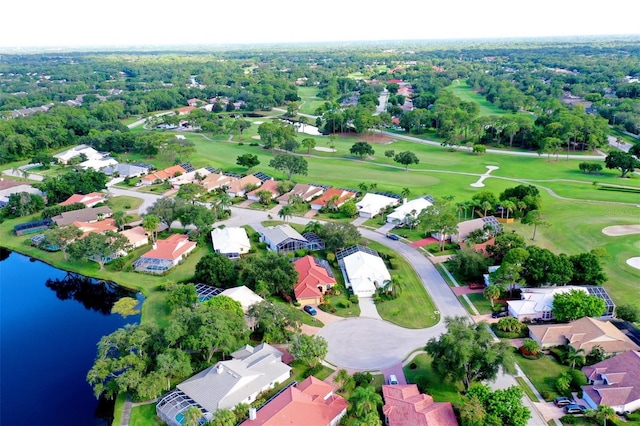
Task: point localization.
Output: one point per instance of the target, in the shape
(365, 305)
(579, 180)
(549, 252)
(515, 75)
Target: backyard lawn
(441, 390)
(144, 415)
(542, 373)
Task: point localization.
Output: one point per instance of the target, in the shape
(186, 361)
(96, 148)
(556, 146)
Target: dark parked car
(500, 314)
(562, 401)
(310, 310)
(575, 409)
(393, 237)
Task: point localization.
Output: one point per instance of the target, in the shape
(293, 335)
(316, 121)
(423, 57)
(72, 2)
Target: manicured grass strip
(525, 387)
(443, 272)
(482, 305)
(542, 372)
(441, 390)
(466, 305)
(124, 202)
(117, 408)
(144, 415)
(413, 308)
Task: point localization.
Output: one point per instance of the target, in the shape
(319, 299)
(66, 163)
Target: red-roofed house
(313, 280)
(614, 382)
(185, 110)
(161, 175)
(165, 254)
(311, 403)
(336, 197)
(405, 405)
(88, 200)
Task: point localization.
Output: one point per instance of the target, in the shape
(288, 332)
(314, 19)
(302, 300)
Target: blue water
(50, 324)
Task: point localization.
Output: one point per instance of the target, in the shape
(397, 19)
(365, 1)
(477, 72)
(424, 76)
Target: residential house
(305, 191)
(230, 241)
(185, 110)
(283, 238)
(363, 270)
(488, 223)
(9, 187)
(583, 333)
(190, 177)
(243, 295)
(311, 403)
(137, 236)
(314, 279)
(405, 405)
(126, 170)
(238, 187)
(333, 197)
(614, 382)
(98, 164)
(409, 209)
(217, 180)
(89, 200)
(165, 254)
(162, 175)
(76, 151)
(373, 204)
(537, 302)
(226, 384)
(269, 185)
(98, 227)
(83, 215)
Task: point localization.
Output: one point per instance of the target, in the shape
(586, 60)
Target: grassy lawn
(482, 305)
(117, 408)
(413, 308)
(542, 373)
(124, 202)
(440, 390)
(525, 387)
(144, 415)
(466, 305)
(309, 100)
(464, 92)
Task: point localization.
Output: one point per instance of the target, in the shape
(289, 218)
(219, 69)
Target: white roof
(244, 295)
(373, 203)
(5, 193)
(538, 300)
(230, 240)
(67, 155)
(402, 211)
(98, 163)
(189, 177)
(365, 272)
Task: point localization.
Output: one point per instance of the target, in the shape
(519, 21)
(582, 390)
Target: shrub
(423, 383)
(577, 379)
(118, 264)
(563, 383)
(511, 325)
(546, 395)
(354, 299)
(558, 353)
(345, 304)
(331, 257)
(570, 420)
(362, 378)
(262, 246)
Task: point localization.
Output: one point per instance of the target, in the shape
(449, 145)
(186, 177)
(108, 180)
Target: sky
(130, 23)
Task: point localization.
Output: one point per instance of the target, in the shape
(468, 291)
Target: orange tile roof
(135, 235)
(270, 185)
(167, 173)
(240, 184)
(88, 200)
(405, 405)
(330, 193)
(310, 276)
(186, 110)
(95, 227)
(171, 248)
(311, 403)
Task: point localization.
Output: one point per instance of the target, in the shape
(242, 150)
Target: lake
(50, 323)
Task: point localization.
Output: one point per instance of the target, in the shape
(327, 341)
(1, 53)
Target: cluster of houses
(10, 186)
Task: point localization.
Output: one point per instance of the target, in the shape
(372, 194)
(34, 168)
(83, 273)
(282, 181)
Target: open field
(309, 99)
(462, 90)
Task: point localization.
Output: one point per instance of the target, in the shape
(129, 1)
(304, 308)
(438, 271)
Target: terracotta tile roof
(239, 185)
(405, 405)
(171, 248)
(310, 276)
(185, 110)
(167, 173)
(311, 403)
(88, 200)
(622, 374)
(216, 180)
(95, 227)
(135, 235)
(330, 193)
(303, 190)
(270, 185)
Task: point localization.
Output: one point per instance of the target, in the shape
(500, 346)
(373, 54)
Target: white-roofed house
(226, 384)
(98, 164)
(363, 269)
(410, 208)
(283, 238)
(76, 151)
(373, 204)
(230, 241)
(537, 302)
(195, 176)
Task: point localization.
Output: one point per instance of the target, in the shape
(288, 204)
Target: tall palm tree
(364, 399)
(492, 292)
(285, 212)
(604, 413)
(405, 192)
(313, 226)
(344, 380)
(486, 206)
(192, 415)
(574, 356)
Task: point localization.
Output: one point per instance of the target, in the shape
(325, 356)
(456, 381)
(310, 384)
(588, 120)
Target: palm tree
(574, 356)
(344, 380)
(405, 192)
(363, 186)
(530, 346)
(486, 206)
(192, 415)
(604, 413)
(313, 226)
(509, 206)
(285, 212)
(150, 225)
(332, 202)
(364, 399)
(492, 292)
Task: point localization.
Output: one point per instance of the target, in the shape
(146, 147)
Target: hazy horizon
(72, 25)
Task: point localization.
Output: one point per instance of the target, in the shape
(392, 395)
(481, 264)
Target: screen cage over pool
(152, 266)
(172, 407)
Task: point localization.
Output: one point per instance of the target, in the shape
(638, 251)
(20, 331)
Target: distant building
(163, 175)
(76, 151)
(332, 195)
(88, 215)
(305, 191)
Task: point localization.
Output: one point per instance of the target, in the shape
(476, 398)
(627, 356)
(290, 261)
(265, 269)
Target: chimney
(252, 413)
(155, 246)
(219, 369)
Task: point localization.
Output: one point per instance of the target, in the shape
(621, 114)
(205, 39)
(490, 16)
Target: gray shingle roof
(82, 215)
(280, 233)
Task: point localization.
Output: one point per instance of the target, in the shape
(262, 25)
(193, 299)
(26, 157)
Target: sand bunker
(634, 262)
(615, 231)
(258, 122)
(255, 137)
(324, 149)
